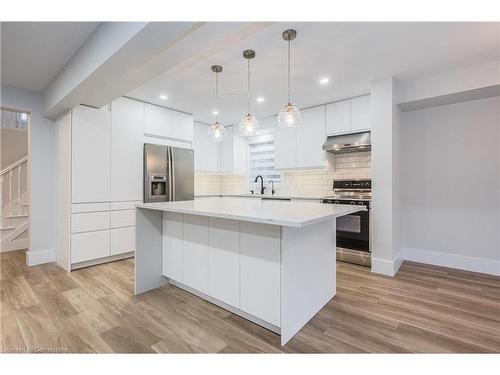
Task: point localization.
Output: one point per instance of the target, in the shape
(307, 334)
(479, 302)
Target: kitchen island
(271, 262)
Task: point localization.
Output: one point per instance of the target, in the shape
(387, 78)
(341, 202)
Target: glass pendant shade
(289, 116)
(248, 124)
(217, 132)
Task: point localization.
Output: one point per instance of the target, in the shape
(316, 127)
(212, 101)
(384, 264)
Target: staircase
(14, 205)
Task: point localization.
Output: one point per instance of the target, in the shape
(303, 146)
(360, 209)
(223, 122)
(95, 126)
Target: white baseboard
(388, 267)
(462, 262)
(34, 258)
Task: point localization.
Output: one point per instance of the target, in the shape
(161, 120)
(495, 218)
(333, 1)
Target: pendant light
(217, 132)
(289, 115)
(248, 123)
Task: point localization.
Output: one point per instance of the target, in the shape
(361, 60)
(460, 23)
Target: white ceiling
(349, 54)
(34, 52)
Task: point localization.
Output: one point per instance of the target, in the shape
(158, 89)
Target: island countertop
(284, 213)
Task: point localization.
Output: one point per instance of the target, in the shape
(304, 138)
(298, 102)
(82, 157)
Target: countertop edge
(251, 218)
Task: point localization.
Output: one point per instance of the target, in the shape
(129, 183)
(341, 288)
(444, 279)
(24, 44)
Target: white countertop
(285, 213)
(248, 195)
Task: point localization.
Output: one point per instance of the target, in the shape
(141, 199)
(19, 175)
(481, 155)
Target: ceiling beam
(121, 56)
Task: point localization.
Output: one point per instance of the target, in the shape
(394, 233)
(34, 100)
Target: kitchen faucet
(262, 188)
(272, 187)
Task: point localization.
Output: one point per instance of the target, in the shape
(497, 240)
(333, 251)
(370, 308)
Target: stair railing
(9, 171)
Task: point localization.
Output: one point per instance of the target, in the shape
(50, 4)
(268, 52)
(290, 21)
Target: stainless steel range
(353, 231)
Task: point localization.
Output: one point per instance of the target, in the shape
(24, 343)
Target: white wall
(386, 243)
(41, 166)
(450, 172)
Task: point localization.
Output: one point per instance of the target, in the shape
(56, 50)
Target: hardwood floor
(423, 309)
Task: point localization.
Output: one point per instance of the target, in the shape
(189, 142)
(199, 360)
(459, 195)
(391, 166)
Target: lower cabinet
(234, 262)
(195, 267)
(122, 240)
(260, 271)
(173, 246)
(89, 246)
(224, 260)
(99, 231)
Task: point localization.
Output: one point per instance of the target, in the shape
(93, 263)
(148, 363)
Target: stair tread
(10, 216)
(6, 228)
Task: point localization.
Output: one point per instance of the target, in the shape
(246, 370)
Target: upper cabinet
(166, 123)
(360, 113)
(206, 151)
(181, 126)
(348, 116)
(310, 138)
(301, 147)
(233, 153)
(156, 121)
(285, 155)
(90, 166)
(338, 117)
(127, 118)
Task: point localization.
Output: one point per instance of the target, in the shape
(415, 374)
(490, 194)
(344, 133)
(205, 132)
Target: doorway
(14, 180)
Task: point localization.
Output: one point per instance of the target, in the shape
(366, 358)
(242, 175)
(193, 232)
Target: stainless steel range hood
(348, 143)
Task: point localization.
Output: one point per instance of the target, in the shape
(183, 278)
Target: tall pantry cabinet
(99, 179)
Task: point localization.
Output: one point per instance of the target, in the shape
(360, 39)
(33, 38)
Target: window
(261, 158)
(10, 119)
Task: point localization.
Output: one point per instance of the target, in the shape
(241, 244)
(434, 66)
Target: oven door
(353, 231)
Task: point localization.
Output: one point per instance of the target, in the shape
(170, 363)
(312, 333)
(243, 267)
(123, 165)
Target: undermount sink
(275, 199)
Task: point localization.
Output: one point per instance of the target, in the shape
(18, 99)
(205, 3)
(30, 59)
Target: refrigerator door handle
(172, 169)
(169, 173)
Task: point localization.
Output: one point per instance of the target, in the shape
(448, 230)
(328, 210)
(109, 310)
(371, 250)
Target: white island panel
(173, 246)
(195, 266)
(224, 260)
(260, 271)
(308, 274)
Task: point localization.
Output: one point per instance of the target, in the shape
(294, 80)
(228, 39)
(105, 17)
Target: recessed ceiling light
(324, 81)
(163, 97)
(260, 99)
(215, 112)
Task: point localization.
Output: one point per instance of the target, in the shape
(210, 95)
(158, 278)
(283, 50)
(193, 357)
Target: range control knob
(336, 202)
(352, 202)
(361, 203)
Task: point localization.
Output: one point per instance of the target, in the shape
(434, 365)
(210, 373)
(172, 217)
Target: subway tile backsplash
(313, 183)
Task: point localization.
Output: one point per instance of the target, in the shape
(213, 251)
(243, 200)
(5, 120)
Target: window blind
(261, 159)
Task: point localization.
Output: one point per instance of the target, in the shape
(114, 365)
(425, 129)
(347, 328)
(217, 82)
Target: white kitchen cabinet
(122, 240)
(360, 113)
(338, 117)
(310, 138)
(285, 155)
(90, 154)
(260, 271)
(233, 153)
(173, 248)
(156, 120)
(166, 123)
(181, 126)
(195, 262)
(206, 151)
(89, 221)
(122, 218)
(224, 260)
(89, 246)
(127, 118)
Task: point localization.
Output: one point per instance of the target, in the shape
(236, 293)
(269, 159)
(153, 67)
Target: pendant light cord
(217, 96)
(288, 70)
(248, 87)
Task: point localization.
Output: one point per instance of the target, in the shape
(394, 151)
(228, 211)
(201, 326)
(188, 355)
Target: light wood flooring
(423, 309)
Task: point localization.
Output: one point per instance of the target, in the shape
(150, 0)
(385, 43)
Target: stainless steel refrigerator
(168, 173)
